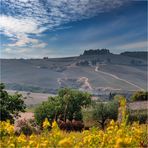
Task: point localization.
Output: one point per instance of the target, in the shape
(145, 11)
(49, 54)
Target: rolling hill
(97, 73)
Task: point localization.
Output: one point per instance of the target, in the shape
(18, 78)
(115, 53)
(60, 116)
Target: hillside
(140, 55)
(98, 74)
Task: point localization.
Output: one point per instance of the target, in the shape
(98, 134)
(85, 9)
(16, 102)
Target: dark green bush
(139, 116)
(139, 96)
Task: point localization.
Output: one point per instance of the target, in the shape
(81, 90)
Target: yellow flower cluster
(46, 124)
(115, 136)
(6, 128)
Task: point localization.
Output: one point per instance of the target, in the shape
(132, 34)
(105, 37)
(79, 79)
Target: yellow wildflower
(55, 125)
(46, 124)
(22, 138)
(11, 145)
(66, 142)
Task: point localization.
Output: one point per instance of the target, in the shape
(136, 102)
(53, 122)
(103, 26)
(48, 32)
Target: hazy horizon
(66, 56)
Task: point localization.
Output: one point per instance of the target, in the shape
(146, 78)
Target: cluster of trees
(66, 106)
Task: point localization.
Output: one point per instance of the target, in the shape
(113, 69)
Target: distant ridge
(136, 54)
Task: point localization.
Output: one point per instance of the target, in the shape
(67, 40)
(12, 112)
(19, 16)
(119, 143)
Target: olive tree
(104, 111)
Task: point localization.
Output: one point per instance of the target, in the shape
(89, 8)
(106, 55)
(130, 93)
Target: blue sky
(60, 28)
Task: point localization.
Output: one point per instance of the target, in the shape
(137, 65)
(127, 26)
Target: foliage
(140, 116)
(139, 96)
(10, 105)
(104, 111)
(67, 105)
(47, 109)
(112, 96)
(88, 117)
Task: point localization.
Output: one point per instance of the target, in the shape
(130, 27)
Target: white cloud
(14, 25)
(18, 29)
(31, 15)
(40, 45)
(24, 17)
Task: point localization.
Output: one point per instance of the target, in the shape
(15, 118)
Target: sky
(62, 28)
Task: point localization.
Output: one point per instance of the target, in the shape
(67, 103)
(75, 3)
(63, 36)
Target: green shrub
(139, 96)
(45, 110)
(139, 116)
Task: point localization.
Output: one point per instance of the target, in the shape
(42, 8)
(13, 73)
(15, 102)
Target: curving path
(116, 77)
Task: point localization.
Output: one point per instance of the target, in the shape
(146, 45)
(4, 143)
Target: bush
(139, 96)
(71, 125)
(141, 117)
(45, 110)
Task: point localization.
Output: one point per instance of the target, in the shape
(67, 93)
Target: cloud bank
(22, 19)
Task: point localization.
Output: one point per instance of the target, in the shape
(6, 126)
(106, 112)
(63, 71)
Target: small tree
(10, 105)
(105, 111)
